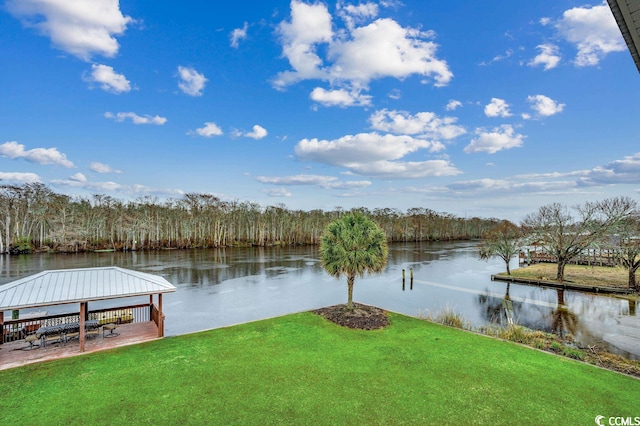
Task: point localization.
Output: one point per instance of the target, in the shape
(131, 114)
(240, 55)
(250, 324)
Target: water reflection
(219, 287)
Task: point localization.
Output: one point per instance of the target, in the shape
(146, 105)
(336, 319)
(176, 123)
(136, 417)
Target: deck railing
(13, 330)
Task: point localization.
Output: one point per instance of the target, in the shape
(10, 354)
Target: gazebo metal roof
(627, 14)
(79, 285)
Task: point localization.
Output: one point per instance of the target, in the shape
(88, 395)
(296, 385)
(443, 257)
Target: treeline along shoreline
(34, 218)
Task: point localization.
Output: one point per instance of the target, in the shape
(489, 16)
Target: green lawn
(602, 276)
(302, 369)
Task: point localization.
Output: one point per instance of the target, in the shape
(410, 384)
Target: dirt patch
(362, 317)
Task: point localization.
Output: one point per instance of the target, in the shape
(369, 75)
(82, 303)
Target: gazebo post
(160, 317)
(2, 326)
(83, 312)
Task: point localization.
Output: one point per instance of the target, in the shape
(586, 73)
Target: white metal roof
(79, 285)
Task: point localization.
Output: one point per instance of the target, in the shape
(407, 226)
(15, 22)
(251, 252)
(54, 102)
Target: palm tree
(352, 245)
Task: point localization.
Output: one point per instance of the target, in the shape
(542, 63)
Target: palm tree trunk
(350, 280)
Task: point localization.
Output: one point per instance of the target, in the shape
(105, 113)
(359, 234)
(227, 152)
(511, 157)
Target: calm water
(219, 287)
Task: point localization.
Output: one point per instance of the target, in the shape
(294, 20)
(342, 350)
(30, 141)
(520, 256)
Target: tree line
(35, 218)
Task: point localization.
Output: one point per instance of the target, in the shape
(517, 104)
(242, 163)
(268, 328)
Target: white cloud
(352, 14)
(503, 137)
(79, 181)
(423, 124)
(508, 186)
(310, 24)
(329, 182)
(498, 58)
(191, 81)
(548, 56)
(406, 169)
(258, 132)
(594, 32)
(238, 34)
(15, 150)
(108, 79)
(102, 168)
(385, 49)
(372, 154)
(277, 192)
(453, 105)
(362, 148)
(318, 180)
(19, 177)
(497, 108)
(210, 129)
(78, 177)
(350, 184)
(81, 28)
(544, 105)
(340, 97)
(358, 54)
(395, 94)
(136, 119)
(626, 171)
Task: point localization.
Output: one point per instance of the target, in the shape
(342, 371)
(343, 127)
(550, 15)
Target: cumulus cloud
(372, 154)
(497, 108)
(81, 28)
(238, 34)
(354, 56)
(102, 168)
(593, 31)
(355, 14)
(310, 25)
(423, 124)
(360, 148)
(544, 105)
(503, 137)
(191, 81)
(340, 97)
(19, 177)
(258, 133)
(108, 79)
(210, 129)
(548, 56)
(453, 105)
(15, 150)
(78, 177)
(626, 171)
(135, 118)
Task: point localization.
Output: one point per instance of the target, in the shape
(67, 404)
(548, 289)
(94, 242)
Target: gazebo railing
(13, 330)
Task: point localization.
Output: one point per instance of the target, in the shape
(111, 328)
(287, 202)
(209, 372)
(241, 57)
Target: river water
(221, 287)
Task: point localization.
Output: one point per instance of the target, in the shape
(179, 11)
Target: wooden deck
(12, 355)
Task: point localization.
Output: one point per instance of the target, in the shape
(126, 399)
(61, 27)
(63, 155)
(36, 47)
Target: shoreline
(564, 285)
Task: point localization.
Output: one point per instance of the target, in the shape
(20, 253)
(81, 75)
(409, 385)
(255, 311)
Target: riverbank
(303, 369)
(597, 279)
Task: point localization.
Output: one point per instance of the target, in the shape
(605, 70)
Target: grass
(303, 369)
(601, 276)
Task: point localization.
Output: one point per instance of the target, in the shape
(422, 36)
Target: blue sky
(476, 108)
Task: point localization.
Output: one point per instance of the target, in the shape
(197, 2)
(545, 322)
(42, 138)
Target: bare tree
(566, 236)
(628, 250)
(504, 241)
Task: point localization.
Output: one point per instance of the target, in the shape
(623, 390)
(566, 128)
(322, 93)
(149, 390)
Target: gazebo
(81, 286)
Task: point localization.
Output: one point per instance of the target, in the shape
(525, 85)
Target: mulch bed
(362, 317)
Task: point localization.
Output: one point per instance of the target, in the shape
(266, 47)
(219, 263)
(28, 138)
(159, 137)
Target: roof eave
(630, 32)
